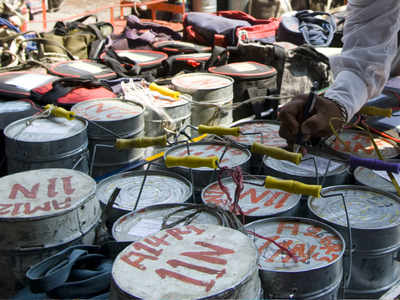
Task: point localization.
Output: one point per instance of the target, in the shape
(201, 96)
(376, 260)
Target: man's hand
(317, 125)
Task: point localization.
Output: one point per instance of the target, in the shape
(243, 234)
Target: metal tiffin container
(212, 97)
(298, 258)
(374, 218)
(140, 189)
(149, 220)
(359, 144)
(42, 212)
(376, 179)
(310, 170)
(232, 156)
(199, 261)
(255, 201)
(123, 118)
(46, 142)
(82, 68)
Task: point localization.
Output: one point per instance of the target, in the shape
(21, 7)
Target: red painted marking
(294, 227)
(51, 189)
(4, 207)
(313, 231)
(178, 263)
(16, 209)
(141, 246)
(329, 246)
(325, 258)
(178, 233)
(284, 244)
(253, 195)
(156, 241)
(281, 202)
(27, 194)
(137, 262)
(209, 256)
(30, 211)
(67, 185)
(216, 148)
(298, 251)
(186, 279)
(62, 205)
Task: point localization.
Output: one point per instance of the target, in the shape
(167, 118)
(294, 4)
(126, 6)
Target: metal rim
(174, 79)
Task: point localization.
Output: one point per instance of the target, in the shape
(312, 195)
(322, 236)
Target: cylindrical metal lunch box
(199, 261)
(375, 227)
(299, 258)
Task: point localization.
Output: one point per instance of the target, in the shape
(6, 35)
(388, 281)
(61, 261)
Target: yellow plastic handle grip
(164, 91)
(141, 142)
(376, 111)
(292, 186)
(218, 130)
(276, 153)
(191, 161)
(60, 112)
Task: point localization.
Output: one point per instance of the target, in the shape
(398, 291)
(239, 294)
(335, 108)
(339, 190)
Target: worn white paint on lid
(143, 56)
(367, 208)
(269, 131)
(201, 81)
(361, 145)
(185, 262)
(254, 200)
(311, 245)
(149, 220)
(29, 81)
(369, 178)
(159, 188)
(233, 157)
(90, 67)
(107, 109)
(306, 166)
(44, 192)
(44, 130)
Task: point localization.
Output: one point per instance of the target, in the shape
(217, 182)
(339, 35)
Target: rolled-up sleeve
(370, 44)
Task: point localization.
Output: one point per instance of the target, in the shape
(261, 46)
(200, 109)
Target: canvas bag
(298, 66)
(227, 28)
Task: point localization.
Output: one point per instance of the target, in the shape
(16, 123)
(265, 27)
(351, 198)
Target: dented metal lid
(160, 187)
(44, 130)
(254, 200)
(150, 219)
(295, 244)
(43, 193)
(186, 262)
(306, 168)
(367, 208)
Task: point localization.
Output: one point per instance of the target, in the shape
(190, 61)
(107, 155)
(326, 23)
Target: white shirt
(370, 44)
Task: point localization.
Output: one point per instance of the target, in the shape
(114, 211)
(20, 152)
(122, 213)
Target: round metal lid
(255, 201)
(185, 262)
(306, 168)
(196, 56)
(367, 208)
(11, 111)
(233, 157)
(269, 130)
(160, 100)
(43, 193)
(149, 220)
(160, 187)
(201, 81)
(107, 109)
(179, 46)
(44, 130)
(360, 145)
(245, 70)
(144, 57)
(369, 178)
(81, 68)
(312, 245)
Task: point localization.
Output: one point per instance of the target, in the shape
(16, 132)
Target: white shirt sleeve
(370, 44)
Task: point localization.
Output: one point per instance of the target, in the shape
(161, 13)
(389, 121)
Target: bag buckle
(243, 36)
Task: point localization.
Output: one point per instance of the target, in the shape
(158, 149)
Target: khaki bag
(81, 39)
